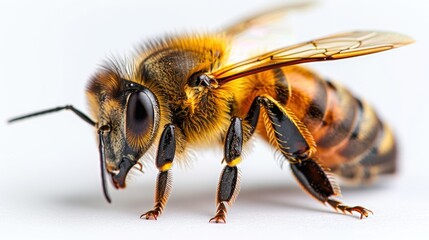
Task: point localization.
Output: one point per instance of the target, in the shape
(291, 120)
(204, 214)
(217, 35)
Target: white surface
(49, 179)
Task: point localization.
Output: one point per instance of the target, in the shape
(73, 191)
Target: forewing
(338, 46)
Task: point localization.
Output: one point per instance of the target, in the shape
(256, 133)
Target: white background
(49, 175)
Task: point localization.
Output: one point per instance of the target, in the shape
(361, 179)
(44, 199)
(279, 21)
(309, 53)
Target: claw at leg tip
(217, 220)
(149, 216)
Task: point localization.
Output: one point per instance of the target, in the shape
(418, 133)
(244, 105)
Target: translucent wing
(339, 46)
(265, 17)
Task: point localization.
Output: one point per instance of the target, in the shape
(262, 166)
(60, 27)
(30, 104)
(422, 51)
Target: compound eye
(140, 114)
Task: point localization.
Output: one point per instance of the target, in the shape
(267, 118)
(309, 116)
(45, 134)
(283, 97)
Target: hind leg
(318, 183)
(297, 145)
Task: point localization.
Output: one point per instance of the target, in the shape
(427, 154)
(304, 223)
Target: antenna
(67, 107)
(90, 122)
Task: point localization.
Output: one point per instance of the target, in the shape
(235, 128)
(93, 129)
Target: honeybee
(183, 90)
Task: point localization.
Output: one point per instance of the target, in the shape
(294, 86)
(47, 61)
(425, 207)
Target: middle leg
(228, 187)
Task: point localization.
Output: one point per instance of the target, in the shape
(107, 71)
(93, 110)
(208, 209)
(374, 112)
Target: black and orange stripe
(350, 137)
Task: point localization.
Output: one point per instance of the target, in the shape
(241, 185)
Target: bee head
(127, 116)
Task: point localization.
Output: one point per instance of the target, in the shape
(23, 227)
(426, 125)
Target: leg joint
(166, 149)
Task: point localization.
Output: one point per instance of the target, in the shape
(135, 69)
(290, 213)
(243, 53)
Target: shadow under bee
(277, 196)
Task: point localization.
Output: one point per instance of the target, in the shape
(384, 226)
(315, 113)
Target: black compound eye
(140, 113)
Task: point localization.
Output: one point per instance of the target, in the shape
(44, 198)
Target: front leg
(164, 159)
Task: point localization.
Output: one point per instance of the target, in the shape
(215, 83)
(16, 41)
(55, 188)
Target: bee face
(127, 114)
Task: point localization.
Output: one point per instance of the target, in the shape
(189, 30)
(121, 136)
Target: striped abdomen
(350, 137)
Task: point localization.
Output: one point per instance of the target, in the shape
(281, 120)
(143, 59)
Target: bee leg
(318, 182)
(297, 145)
(164, 160)
(227, 191)
(228, 186)
(238, 132)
